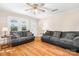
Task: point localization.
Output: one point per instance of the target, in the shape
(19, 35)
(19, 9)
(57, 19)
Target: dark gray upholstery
(21, 37)
(54, 39)
(76, 41)
(56, 34)
(49, 33)
(66, 39)
(69, 35)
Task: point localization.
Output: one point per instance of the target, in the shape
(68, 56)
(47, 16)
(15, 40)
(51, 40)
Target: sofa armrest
(45, 37)
(43, 34)
(76, 41)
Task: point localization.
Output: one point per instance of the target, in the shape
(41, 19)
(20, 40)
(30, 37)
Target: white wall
(66, 21)
(70, 21)
(5, 16)
(50, 23)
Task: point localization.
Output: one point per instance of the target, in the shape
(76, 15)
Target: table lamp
(5, 30)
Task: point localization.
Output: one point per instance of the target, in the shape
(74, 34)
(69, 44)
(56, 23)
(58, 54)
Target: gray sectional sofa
(21, 37)
(67, 39)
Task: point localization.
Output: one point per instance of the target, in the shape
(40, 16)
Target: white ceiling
(20, 8)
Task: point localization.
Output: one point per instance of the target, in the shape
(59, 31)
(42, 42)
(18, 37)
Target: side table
(6, 41)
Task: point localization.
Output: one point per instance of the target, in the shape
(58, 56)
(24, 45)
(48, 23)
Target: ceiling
(20, 8)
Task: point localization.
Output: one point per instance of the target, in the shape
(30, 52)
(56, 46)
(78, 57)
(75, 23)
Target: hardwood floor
(37, 48)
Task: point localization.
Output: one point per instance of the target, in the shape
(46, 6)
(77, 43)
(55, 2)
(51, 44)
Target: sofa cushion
(15, 35)
(54, 39)
(69, 36)
(47, 33)
(46, 37)
(56, 34)
(14, 40)
(23, 33)
(29, 34)
(66, 41)
(50, 33)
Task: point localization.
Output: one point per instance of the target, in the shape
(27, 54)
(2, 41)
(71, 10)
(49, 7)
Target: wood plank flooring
(37, 48)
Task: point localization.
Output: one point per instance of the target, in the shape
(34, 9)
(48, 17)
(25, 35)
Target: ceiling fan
(38, 7)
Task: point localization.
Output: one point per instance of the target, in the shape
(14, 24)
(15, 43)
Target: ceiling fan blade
(41, 10)
(29, 4)
(54, 10)
(50, 9)
(47, 8)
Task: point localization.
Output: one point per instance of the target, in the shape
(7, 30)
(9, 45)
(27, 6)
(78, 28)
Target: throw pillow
(50, 33)
(29, 34)
(16, 35)
(57, 34)
(70, 35)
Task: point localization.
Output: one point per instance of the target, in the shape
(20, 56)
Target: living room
(39, 29)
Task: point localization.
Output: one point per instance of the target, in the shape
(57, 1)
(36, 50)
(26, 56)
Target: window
(24, 26)
(14, 25)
